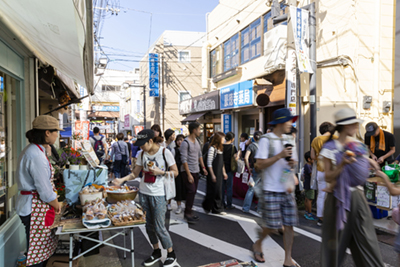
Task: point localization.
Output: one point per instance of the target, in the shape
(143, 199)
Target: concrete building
(355, 56)
(106, 111)
(179, 76)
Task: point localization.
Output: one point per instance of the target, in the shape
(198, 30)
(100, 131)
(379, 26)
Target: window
(245, 42)
(213, 62)
(183, 95)
(251, 41)
(106, 87)
(231, 53)
(266, 18)
(10, 130)
(255, 39)
(184, 56)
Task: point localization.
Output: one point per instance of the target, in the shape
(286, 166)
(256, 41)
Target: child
(310, 193)
(394, 191)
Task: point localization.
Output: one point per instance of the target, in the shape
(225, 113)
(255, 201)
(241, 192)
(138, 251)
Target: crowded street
(183, 133)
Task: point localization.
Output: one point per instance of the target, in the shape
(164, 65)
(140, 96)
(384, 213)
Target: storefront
(204, 109)
(247, 106)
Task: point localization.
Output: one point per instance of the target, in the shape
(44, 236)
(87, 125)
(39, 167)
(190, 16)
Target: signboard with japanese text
(300, 27)
(237, 95)
(106, 108)
(138, 129)
(153, 75)
(81, 129)
(227, 123)
(201, 103)
(291, 80)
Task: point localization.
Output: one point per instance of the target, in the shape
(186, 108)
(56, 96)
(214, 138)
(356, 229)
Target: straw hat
(346, 116)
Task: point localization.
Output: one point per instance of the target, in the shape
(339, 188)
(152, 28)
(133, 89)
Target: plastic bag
(169, 186)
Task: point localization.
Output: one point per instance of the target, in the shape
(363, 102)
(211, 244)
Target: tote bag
(169, 186)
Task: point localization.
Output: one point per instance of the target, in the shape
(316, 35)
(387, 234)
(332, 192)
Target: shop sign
(153, 75)
(291, 81)
(201, 103)
(106, 108)
(227, 123)
(237, 95)
(126, 122)
(138, 129)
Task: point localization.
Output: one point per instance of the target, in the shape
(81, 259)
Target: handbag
(234, 165)
(169, 186)
(314, 174)
(149, 178)
(240, 166)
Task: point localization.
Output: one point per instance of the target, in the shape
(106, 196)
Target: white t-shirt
(157, 188)
(95, 138)
(271, 175)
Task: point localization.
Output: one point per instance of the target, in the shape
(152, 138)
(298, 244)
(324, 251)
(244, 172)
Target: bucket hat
(46, 122)
(282, 115)
(346, 116)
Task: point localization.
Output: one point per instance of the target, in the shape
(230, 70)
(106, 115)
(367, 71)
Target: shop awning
(193, 117)
(104, 114)
(58, 33)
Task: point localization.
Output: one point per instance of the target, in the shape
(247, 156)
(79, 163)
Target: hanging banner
(300, 25)
(227, 123)
(291, 80)
(153, 75)
(127, 121)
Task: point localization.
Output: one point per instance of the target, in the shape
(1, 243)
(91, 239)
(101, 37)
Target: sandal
(259, 254)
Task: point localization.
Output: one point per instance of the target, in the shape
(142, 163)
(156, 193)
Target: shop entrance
(250, 124)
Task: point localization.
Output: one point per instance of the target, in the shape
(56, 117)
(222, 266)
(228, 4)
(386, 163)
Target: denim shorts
(279, 209)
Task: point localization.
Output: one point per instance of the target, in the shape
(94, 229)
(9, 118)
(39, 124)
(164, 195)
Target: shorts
(310, 194)
(397, 243)
(279, 209)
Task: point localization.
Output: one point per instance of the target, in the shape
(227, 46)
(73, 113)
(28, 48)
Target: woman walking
(347, 217)
(216, 168)
(156, 163)
(121, 153)
(179, 183)
(37, 204)
(230, 155)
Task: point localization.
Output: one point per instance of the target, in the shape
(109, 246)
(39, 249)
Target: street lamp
(127, 85)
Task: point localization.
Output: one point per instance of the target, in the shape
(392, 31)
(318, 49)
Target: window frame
(255, 41)
(180, 93)
(231, 59)
(245, 47)
(184, 61)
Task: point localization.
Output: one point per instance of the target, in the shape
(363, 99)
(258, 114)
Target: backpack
(99, 147)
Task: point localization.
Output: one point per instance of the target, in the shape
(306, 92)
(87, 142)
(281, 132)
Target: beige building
(179, 77)
(355, 56)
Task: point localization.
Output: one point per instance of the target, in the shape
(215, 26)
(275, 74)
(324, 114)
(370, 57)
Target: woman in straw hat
(37, 203)
(347, 217)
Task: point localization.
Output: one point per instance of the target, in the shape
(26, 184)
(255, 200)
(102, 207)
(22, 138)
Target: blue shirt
(33, 174)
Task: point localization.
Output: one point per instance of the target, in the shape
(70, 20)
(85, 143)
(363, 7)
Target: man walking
(99, 144)
(191, 158)
(277, 154)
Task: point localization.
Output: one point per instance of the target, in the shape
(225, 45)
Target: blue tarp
(67, 133)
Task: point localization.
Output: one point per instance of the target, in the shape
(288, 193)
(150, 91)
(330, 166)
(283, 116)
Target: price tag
(245, 178)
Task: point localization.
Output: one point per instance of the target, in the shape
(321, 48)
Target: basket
(90, 196)
(392, 174)
(134, 222)
(114, 197)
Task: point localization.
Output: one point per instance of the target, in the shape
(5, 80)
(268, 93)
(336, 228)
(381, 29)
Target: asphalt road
(219, 238)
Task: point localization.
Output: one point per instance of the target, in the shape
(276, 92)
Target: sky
(125, 38)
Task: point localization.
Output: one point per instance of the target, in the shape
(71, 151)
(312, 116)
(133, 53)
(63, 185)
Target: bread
(350, 153)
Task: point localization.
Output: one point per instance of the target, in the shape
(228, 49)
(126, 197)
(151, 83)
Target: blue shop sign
(106, 108)
(153, 75)
(227, 123)
(237, 95)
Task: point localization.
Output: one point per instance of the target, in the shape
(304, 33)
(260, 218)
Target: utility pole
(313, 76)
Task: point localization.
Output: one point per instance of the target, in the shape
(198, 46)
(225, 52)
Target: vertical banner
(227, 123)
(153, 75)
(291, 80)
(300, 25)
(126, 121)
(81, 129)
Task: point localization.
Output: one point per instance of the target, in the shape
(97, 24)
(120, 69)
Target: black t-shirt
(389, 142)
(253, 147)
(307, 176)
(228, 155)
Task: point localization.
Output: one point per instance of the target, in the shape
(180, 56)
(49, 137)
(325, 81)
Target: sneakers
(155, 257)
(319, 223)
(178, 210)
(309, 216)
(171, 259)
(169, 207)
(191, 219)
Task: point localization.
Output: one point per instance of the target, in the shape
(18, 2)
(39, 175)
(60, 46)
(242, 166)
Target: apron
(213, 199)
(42, 240)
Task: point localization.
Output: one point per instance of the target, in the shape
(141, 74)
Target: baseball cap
(371, 129)
(46, 122)
(144, 136)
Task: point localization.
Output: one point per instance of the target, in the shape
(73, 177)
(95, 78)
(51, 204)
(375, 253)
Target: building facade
(180, 67)
(355, 59)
